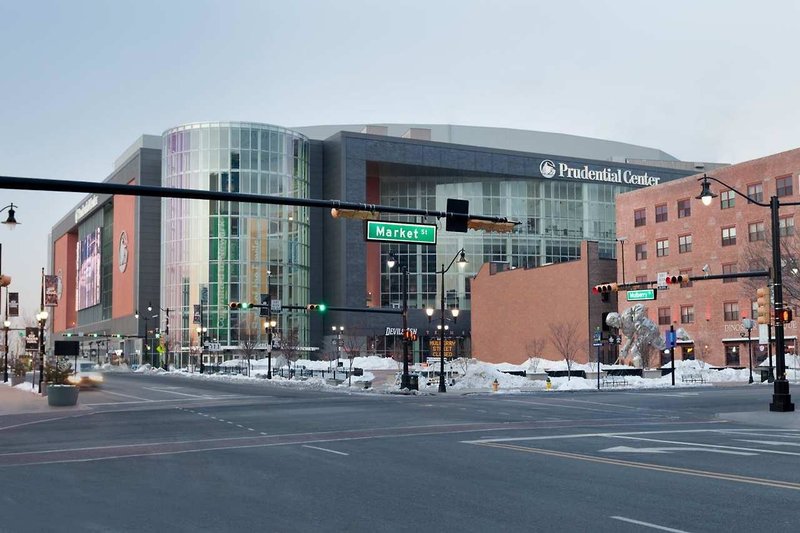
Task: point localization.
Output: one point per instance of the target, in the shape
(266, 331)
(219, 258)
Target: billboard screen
(88, 267)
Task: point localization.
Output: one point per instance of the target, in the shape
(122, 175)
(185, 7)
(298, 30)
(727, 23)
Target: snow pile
(482, 375)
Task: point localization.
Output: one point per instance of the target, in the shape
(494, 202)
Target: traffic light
(763, 305)
(68, 334)
(488, 225)
(785, 315)
(677, 280)
(240, 305)
(605, 288)
(354, 213)
(317, 307)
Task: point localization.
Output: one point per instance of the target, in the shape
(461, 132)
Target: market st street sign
(380, 231)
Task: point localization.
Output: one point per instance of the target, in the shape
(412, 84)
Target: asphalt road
(151, 453)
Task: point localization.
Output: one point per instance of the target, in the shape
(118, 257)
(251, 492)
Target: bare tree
(757, 255)
(248, 344)
(565, 339)
(533, 350)
(354, 344)
(290, 347)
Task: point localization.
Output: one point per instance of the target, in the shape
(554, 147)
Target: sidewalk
(14, 401)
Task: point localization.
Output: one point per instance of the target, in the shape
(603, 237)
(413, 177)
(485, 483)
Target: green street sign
(379, 231)
(642, 294)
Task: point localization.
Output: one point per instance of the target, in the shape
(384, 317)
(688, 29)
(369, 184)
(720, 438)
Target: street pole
(781, 399)
(750, 354)
(598, 367)
(672, 351)
(771, 375)
(405, 380)
(442, 386)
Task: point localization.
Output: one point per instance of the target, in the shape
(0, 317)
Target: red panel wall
(65, 315)
(124, 283)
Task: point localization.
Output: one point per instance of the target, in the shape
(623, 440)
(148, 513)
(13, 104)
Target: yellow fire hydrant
(495, 386)
(547, 384)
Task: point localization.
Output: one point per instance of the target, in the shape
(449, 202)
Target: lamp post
(270, 326)
(781, 399)
(405, 380)
(6, 325)
(749, 324)
(462, 261)
(41, 317)
(338, 331)
(201, 334)
(146, 318)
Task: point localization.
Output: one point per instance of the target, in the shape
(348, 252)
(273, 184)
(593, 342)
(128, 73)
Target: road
(147, 453)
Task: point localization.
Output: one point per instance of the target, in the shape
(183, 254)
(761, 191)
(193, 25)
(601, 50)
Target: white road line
(176, 392)
(601, 403)
(324, 449)
(757, 450)
(126, 395)
(558, 405)
(586, 435)
(648, 524)
(770, 442)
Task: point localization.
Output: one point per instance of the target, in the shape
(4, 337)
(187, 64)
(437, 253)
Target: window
(754, 309)
(686, 273)
(661, 213)
(756, 192)
(786, 226)
(639, 217)
(729, 236)
(664, 317)
(727, 199)
(755, 231)
(684, 244)
(783, 186)
(662, 248)
(729, 268)
(687, 314)
(641, 252)
(684, 208)
(730, 311)
(731, 355)
(641, 279)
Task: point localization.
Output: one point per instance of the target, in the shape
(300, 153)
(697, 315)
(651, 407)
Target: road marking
(603, 403)
(771, 442)
(648, 524)
(587, 435)
(324, 449)
(158, 389)
(667, 394)
(126, 395)
(550, 404)
(628, 449)
(719, 446)
(647, 466)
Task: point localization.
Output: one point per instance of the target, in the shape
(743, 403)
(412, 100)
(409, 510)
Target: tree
(290, 347)
(248, 343)
(354, 344)
(757, 255)
(564, 337)
(533, 350)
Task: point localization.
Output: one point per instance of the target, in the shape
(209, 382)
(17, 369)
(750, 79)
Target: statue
(640, 333)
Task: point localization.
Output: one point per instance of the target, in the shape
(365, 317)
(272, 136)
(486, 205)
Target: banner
(196, 315)
(13, 304)
(51, 291)
(32, 339)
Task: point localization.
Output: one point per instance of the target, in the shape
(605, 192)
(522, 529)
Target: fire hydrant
(495, 386)
(547, 384)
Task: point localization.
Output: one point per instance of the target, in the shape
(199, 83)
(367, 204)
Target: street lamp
(10, 221)
(338, 331)
(781, 399)
(462, 261)
(749, 324)
(146, 318)
(6, 325)
(270, 326)
(41, 317)
(405, 379)
(201, 334)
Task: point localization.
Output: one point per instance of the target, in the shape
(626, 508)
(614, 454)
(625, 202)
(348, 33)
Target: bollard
(495, 386)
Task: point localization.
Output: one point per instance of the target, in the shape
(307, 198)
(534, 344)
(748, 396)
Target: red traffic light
(672, 280)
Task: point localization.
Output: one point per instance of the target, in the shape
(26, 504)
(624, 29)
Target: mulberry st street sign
(380, 231)
(642, 294)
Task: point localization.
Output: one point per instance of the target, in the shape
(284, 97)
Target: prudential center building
(190, 255)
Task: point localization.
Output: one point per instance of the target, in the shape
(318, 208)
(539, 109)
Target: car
(87, 375)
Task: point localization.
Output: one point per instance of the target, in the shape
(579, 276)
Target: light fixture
(429, 311)
(392, 261)
(706, 196)
(462, 260)
(11, 220)
(455, 312)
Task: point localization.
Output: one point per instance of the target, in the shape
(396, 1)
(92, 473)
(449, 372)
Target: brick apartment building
(666, 229)
(513, 308)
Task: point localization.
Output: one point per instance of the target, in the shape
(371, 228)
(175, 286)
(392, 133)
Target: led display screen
(88, 266)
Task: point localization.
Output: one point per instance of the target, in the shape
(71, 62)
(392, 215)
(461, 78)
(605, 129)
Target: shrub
(56, 373)
(19, 368)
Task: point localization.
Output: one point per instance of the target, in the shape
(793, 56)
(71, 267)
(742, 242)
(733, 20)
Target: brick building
(666, 229)
(512, 308)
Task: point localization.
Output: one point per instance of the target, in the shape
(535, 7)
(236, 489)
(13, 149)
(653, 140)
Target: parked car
(87, 374)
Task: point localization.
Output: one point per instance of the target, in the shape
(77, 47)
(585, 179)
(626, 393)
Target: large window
(687, 314)
(684, 244)
(641, 251)
(661, 213)
(639, 217)
(755, 231)
(730, 311)
(727, 199)
(684, 208)
(783, 186)
(786, 226)
(88, 266)
(729, 236)
(664, 316)
(731, 355)
(662, 248)
(755, 192)
(729, 268)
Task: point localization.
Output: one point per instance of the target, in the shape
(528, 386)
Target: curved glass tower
(213, 253)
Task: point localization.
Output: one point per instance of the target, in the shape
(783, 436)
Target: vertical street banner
(51, 291)
(13, 304)
(196, 314)
(32, 339)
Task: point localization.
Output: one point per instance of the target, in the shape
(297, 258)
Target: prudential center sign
(551, 169)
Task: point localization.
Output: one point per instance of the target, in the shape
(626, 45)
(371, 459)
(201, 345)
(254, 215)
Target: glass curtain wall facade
(229, 251)
(556, 216)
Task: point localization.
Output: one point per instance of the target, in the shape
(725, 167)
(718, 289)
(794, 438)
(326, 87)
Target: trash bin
(413, 382)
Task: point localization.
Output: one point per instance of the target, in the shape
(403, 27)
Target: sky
(80, 81)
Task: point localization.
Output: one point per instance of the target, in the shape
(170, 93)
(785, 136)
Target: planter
(62, 395)
(16, 380)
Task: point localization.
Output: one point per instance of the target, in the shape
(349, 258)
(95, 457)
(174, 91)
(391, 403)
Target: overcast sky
(81, 80)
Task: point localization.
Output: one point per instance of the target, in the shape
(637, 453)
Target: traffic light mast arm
(349, 309)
